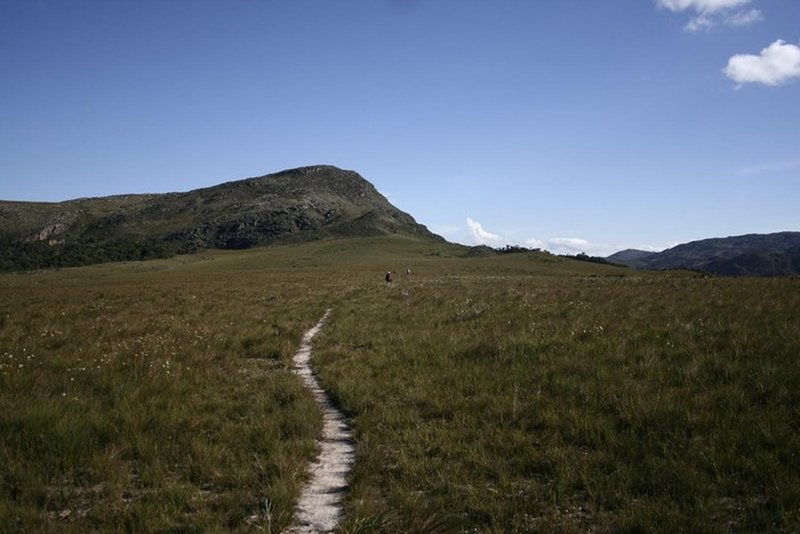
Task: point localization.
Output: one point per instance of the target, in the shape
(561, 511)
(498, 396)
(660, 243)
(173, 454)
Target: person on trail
(388, 277)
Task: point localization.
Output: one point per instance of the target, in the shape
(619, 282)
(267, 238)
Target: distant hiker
(388, 277)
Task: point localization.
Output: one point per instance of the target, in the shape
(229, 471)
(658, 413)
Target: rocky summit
(295, 205)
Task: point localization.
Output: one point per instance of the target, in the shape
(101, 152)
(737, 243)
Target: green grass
(149, 400)
(521, 403)
(516, 393)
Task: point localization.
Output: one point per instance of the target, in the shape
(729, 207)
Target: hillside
(631, 257)
(295, 205)
(776, 254)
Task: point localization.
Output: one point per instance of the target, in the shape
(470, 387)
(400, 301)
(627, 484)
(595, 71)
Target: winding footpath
(319, 508)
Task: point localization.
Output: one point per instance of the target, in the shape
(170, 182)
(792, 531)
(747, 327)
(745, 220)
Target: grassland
(503, 394)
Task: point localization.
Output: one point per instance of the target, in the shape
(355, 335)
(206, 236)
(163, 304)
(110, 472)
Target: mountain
(631, 257)
(295, 205)
(759, 264)
(775, 254)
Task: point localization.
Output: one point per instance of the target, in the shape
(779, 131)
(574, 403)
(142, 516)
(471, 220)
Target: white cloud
(481, 236)
(577, 245)
(768, 168)
(711, 13)
(703, 21)
(478, 235)
(776, 64)
(701, 5)
(743, 18)
(568, 245)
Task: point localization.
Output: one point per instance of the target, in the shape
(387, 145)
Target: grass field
(514, 393)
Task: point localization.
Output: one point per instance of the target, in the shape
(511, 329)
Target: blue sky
(572, 125)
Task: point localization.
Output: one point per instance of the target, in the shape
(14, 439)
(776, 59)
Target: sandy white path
(319, 507)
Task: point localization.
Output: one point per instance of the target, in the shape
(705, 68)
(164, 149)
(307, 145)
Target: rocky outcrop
(289, 206)
(46, 233)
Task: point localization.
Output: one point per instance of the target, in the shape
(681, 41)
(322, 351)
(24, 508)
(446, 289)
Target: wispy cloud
(703, 21)
(743, 18)
(711, 13)
(777, 64)
(481, 236)
(478, 235)
(567, 245)
(768, 168)
(571, 246)
(701, 5)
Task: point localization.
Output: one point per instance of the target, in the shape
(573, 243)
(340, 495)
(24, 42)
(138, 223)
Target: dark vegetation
(515, 249)
(581, 256)
(18, 255)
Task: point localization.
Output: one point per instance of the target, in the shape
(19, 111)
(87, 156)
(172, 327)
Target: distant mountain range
(775, 254)
(295, 205)
(301, 204)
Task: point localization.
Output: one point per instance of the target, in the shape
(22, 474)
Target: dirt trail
(319, 507)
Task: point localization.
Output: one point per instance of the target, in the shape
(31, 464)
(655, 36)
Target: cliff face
(294, 205)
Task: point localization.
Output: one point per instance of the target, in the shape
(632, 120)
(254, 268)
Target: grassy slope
(510, 393)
